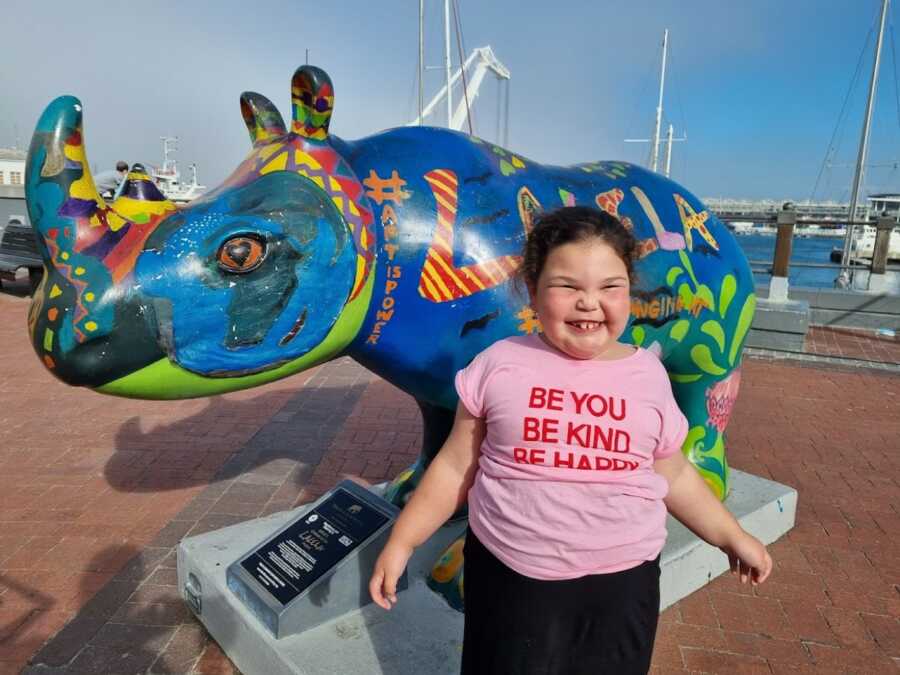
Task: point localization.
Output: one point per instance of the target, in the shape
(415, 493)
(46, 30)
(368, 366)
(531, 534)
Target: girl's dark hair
(570, 224)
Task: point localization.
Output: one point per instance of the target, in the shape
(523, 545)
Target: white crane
(482, 60)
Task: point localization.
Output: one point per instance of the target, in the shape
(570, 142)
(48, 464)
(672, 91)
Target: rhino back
(451, 215)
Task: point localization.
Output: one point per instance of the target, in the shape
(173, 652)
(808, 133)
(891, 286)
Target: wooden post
(787, 218)
(883, 228)
(778, 286)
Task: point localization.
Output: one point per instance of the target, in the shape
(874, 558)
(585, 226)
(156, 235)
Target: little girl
(567, 447)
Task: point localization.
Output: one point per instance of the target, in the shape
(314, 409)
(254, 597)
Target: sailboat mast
(669, 140)
(421, 57)
(844, 278)
(654, 153)
(447, 60)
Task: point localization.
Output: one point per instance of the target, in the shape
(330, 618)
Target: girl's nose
(587, 302)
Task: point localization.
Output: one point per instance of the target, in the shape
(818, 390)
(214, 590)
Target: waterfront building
(887, 203)
(12, 166)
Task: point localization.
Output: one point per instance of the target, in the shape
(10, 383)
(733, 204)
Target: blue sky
(757, 85)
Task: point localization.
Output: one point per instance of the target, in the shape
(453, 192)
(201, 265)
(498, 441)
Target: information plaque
(317, 567)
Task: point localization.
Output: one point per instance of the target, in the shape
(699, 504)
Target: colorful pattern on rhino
(397, 249)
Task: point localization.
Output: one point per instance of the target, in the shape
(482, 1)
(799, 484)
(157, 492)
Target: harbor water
(760, 248)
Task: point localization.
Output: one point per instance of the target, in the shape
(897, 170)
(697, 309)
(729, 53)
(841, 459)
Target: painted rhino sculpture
(397, 250)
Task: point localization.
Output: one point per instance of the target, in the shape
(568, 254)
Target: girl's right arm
(441, 492)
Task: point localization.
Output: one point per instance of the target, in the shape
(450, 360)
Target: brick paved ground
(854, 343)
(95, 494)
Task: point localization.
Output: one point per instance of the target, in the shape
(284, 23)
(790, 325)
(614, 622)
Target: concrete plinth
(779, 324)
(422, 634)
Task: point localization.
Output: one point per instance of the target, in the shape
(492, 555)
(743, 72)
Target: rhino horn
(65, 208)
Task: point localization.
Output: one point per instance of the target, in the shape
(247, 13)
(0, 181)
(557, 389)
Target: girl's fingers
(757, 571)
(766, 568)
(390, 588)
(375, 588)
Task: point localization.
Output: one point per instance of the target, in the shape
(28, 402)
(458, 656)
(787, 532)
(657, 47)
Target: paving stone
(112, 661)
(723, 662)
(886, 632)
(182, 652)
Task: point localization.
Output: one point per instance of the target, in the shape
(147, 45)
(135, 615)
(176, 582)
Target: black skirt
(516, 625)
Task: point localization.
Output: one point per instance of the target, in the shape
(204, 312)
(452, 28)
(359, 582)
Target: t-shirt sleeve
(674, 427)
(471, 383)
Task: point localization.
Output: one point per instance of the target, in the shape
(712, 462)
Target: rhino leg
(446, 578)
(707, 404)
(436, 425)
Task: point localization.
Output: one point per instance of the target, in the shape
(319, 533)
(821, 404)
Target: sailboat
(655, 141)
(861, 244)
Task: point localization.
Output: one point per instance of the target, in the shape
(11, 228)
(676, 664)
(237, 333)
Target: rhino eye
(241, 254)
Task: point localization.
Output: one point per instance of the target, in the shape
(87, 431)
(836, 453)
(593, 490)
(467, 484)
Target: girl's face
(582, 299)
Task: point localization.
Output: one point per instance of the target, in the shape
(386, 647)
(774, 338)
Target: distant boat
(816, 230)
(862, 245)
(742, 227)
(746, 227)
(803, 230)
(168, 177)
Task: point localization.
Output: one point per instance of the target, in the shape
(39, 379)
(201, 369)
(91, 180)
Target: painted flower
(720, 399)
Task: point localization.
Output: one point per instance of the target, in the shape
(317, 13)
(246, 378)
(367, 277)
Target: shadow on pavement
(136, 622)
(266, 441)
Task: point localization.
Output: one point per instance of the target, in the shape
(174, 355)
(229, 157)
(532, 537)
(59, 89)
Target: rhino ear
(312, 99)
(262, 118)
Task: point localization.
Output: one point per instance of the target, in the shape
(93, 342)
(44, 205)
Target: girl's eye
(241, 254)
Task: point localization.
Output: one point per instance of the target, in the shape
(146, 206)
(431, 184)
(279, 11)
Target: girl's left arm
(694, 504)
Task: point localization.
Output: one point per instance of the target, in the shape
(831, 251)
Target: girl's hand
(388, 568)
(748, 557)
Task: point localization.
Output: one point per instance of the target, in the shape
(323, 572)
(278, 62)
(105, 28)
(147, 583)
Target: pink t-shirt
(565, 484)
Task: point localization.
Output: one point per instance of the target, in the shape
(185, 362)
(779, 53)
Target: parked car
(18, 250)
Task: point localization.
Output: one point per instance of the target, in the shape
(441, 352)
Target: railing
(785, 221)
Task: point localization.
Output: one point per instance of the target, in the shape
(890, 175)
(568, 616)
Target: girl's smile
(584, 326)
